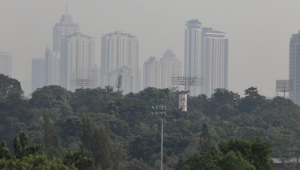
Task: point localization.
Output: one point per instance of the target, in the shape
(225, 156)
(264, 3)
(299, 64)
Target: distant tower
(120, 55)
(63, 28)
(170, 67)
(193, 53)
(5, 64)
(37, 73)
(77, 61)
(52, 67)
(294, 68)
(214, 61)
(152, 73)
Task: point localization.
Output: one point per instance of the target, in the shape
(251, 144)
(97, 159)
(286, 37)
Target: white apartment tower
(152, 73)
(294, 68)
(120, 55)
(214, 60)
(52, 67)
(193, 53)
(77, 61)
(63, 28)
(5, 64)
(37, 73)
(170, 67)
(206, 56)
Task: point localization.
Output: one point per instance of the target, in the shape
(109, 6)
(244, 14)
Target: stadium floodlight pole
(187, 81)
(161, 111)
(284, 86)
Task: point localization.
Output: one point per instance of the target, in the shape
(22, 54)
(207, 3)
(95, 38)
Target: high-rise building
(170, 67)
(294, 68)
(152, 73)
(206, 56)
(37, 73)
(26, 87)
(120, 55)
(77, 61)
(63, 28)
(215, 60)
(193, 53)
(98, 76)
(52, 67)
(5, 64)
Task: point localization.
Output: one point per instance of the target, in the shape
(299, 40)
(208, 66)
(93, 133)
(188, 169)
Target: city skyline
(252, 48)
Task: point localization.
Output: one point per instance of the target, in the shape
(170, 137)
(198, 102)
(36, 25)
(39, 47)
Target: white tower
(170, 67)
(77, 61)
(52, 67)
(294, 68)
(37, 73)
(120, 53)
(193, 53)
(152, 73)
(215, 60)
(63, 28)
(5, 64)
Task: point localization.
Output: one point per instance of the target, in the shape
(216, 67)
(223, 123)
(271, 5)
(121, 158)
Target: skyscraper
(5, 64)
(37, 73)
(52, 67)
(63, 28)
(193, 53)
(215, 60)
(206, 56)
(170, 67)
(77, 61)
(120, 55)
(152, 73)
(294, 68)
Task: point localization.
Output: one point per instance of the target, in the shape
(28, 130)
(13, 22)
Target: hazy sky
(258, 31)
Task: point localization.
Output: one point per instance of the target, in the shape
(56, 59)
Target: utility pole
(161, 111)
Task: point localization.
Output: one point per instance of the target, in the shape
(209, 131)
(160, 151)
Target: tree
(235, 161)
(52, 138)
(235, 154)
(4, 151)
(9, 87)
(112, 108)
(240, 145)
(119, 82)
(255, 152)
(52, 97)
(138, 164)
(205, 142)
(97, 140)
(208, 161)
(79, 159)
(21, 147)
(260, 155)
(92, 100)
(26, 157)
(222, 104)
(251, 101)
(145, 145)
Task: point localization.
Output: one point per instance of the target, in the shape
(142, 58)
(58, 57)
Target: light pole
(161, 111)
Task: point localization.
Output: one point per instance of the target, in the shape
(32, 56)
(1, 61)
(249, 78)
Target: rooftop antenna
(66, 7)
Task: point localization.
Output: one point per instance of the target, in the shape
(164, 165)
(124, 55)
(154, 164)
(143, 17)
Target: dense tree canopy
(119, 132)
